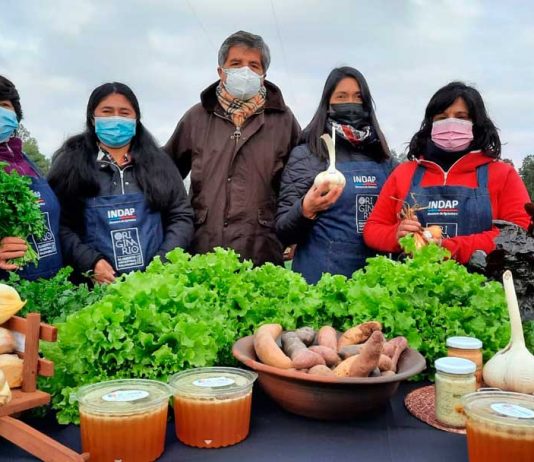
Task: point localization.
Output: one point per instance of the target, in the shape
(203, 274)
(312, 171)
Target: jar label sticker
(513, 410)
(214, 382)
(125, 395)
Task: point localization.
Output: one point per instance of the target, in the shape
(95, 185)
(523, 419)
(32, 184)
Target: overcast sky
(58, 51)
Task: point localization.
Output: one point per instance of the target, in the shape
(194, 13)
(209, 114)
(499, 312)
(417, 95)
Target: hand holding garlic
(318, 199)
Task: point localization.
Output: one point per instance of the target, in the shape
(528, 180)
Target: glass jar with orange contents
(212, 405)
(467, 348)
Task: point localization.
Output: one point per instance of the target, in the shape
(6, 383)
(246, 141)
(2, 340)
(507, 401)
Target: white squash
(10, 302)
(512, 368)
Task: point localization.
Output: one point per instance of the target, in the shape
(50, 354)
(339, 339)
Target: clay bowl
(327, 398)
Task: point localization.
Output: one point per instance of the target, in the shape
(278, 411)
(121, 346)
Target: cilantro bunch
(20, 215)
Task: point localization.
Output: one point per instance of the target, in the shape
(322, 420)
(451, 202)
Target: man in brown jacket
(235, 143)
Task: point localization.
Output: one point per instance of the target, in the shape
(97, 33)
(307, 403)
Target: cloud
(58, 51)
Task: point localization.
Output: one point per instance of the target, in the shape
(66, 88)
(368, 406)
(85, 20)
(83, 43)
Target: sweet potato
(266, 348)
(385, 363)
(399, 348)
(301, 357)
(327, 337)
(349, 350)
(368, 359)
(306, 335)
(330, 357)
(358, 334)
(387, 373)
(321, 370)
(389, 346)
(343, 368)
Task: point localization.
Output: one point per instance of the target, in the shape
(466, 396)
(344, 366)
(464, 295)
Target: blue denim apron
(335, 243)
(124, 229)
(48, 248)
(459, 210)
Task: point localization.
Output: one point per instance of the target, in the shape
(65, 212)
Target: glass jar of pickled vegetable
(455, 377)
(467, 348)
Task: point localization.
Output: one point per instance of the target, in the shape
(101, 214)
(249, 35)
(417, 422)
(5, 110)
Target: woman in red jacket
(454, 176)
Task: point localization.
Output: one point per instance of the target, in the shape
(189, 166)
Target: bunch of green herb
(54, 298)
(20, 215)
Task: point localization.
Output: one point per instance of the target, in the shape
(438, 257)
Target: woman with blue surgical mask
(123, 199)
(456, 178)
(47, 248)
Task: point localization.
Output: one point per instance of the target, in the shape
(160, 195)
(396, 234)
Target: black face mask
(349, 114)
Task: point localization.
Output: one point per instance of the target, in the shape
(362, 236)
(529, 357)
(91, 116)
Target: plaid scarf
(237, 109)
(354, 136)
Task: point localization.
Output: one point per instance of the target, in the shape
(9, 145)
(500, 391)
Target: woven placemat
(421, 404)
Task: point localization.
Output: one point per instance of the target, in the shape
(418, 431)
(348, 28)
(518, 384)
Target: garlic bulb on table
(512, 368)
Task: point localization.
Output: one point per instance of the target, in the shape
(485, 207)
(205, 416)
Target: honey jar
(468, 348)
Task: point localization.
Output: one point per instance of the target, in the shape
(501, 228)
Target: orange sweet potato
(358, 334)
(321, 370)
(266, 348)
(368, 359)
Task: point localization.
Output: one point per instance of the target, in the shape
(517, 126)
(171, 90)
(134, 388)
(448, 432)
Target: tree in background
(400, 158)
(527, 174)
(31, 149)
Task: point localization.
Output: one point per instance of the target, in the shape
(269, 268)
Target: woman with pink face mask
(455, 176)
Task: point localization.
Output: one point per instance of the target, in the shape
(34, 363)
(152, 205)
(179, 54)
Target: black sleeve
(80, 256)
(177, 222)
(297, 178)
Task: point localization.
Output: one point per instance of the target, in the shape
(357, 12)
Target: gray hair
(248, 40)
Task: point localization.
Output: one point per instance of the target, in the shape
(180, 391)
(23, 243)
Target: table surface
(392, 434)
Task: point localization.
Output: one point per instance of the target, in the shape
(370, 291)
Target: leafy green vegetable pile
(54, 298)
(20, 215)
(188, 313)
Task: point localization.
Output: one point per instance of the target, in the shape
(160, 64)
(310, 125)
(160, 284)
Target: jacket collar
(466, 163)
(274, 100)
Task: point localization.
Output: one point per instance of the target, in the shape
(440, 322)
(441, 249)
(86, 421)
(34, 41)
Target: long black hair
(485, 136)
(312, 133)
(73, 172)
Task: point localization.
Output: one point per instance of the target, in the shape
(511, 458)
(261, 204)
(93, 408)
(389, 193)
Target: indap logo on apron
(364, 181)
(127, 248)
(364, 207)
(442, 208)
(121, 215)
(39, 198)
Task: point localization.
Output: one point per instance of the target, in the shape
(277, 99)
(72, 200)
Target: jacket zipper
(446, 173)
